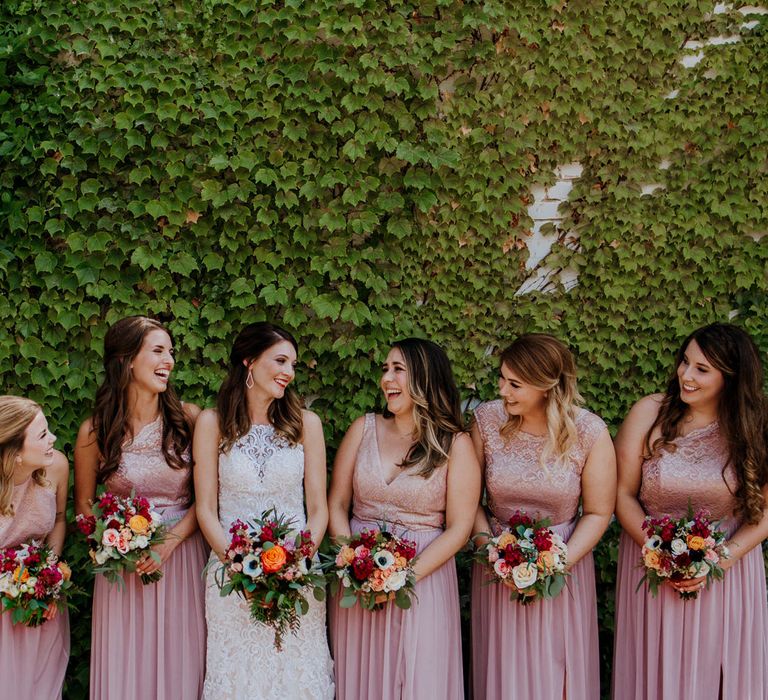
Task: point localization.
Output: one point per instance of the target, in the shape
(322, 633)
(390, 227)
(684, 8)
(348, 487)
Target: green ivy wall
(359, 170)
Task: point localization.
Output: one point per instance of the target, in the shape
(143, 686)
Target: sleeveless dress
(262, 471)
(33, 660)
(667, 648)
(394, 654)
(148, 641)
(550, 646)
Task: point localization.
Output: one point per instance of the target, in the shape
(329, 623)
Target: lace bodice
(143, 469)
(691, 472)
(35, 514)
(514, 476)
(409, 499)
(261, 471)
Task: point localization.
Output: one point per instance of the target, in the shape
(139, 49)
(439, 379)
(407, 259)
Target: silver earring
(249, 380)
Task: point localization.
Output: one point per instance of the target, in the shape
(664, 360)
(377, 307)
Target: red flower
(368, 538)
(362, 568)
(114, 524)
(667, 533)
(107, 504)
(86, 524)
(406, 548)
(512, 555)
(520, 518)
(267, 534)
(542, 539)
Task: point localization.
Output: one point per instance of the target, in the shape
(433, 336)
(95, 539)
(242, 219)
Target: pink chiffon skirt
(394, 654)
(33, 660)
(547, 650)
(148, 642)
(713, 647)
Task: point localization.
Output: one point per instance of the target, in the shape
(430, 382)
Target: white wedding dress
(262, 471)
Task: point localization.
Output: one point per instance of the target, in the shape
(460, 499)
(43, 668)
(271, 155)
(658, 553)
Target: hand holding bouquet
(373, 567)
(32, 580)
(528, 557)
(270, 565)
(677, 550)
(120, 533)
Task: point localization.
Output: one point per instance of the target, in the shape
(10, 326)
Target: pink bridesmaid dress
(394, 654)
(547, 650)
(715, 646)
(149, 641)
(33, 660)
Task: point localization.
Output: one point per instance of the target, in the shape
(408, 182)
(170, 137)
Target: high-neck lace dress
(394, 654)
(148, 641)
(715, 646)
(547, 650)
(33, 660)
(262, 471)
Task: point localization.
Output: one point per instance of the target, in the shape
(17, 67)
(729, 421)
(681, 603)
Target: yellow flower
(139, 524)
(652, 559)
(20, 575)
(506, 538)
(66, 572)
(695, 542)
(546, 561)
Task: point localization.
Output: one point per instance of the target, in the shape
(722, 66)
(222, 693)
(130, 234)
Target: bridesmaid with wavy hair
(545, 456)
(33, 500)
(412, 468)
(703, 443)
(147, 641)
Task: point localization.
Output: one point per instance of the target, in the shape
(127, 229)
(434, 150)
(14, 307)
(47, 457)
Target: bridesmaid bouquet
(31, 580)
(119, 533)
(271, 566)
(528, 557)
(682, 549)
(373, 567)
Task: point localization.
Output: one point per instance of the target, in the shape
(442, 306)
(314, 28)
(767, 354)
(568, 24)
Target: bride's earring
(249, 380)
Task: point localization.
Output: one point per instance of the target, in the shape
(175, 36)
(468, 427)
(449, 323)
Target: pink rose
(110, 537)
(493, 555)
(502, 568)
(362, 552)
(122, 544)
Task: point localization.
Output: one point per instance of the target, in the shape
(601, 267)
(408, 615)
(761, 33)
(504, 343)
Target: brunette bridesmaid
(148, 641)
(545, 456)
(703, 443)
(33, 499)
(412, 468)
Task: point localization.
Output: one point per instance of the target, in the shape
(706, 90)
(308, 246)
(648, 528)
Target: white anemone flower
(252, 566)
(384, 559)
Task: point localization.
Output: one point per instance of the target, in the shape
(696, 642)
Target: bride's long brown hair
(111, 420)
(741, 411)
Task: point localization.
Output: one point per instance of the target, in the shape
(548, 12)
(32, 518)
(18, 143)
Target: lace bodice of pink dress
(408, 500)
(691, 472)
(35, 514)
(516, 480)
(143, 469)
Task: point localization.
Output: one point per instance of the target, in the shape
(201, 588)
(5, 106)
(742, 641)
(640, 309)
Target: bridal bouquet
(682, 549)
(119, 533)
(528, 557)
(270, 565)
(372, 567)
(31, 580)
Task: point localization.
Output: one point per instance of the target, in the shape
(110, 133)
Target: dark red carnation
(368, 538)
(520, 518)
(86, 524)
(667, 533)
(542, 539)
(362, 568)
(512, 555)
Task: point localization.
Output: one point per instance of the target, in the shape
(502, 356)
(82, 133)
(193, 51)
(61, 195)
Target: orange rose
(66, 572)
(20, 575)
(652, 559)
(546, 561)
(272, 559)
(695, 542)
(506, 538)
(139, 524)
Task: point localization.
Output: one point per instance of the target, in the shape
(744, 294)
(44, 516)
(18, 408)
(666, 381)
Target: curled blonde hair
(542, 361)
(16, 413)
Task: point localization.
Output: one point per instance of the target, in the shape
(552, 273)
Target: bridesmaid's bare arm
(462, 497)
(314, 476)
(183, 529)
(481, 523)
(747, 537)
(340, 494)
(87, 459)
(629, 454)
(58, 475)
(598, 495)
(206, 452)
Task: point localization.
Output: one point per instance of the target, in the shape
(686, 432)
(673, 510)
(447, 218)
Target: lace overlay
(691, 472)
(514, 476)
(35, 514)
(409, 500)
(262, 471)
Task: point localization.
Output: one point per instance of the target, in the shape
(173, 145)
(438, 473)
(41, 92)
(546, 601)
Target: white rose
(101, 556)
(140, 542)
(678, 546)
(524, 575)
(702, 568)
(395, 581)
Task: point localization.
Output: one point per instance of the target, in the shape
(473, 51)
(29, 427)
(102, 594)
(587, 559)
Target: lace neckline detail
(698, 432)
(379, 461)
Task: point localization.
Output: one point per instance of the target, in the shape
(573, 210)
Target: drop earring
(249, 380)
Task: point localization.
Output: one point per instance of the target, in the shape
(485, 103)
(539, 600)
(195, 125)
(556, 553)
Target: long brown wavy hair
(16, 413)
(741, 411)
(111, 420)
(436, 404)
(542, 361)
(232, 402)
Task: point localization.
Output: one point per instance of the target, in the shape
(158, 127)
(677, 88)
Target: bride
(260, 450)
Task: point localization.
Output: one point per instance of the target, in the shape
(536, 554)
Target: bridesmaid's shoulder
(310, 419)
(489, 408)
(646, 408)
(207, 419)
(58, 471)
